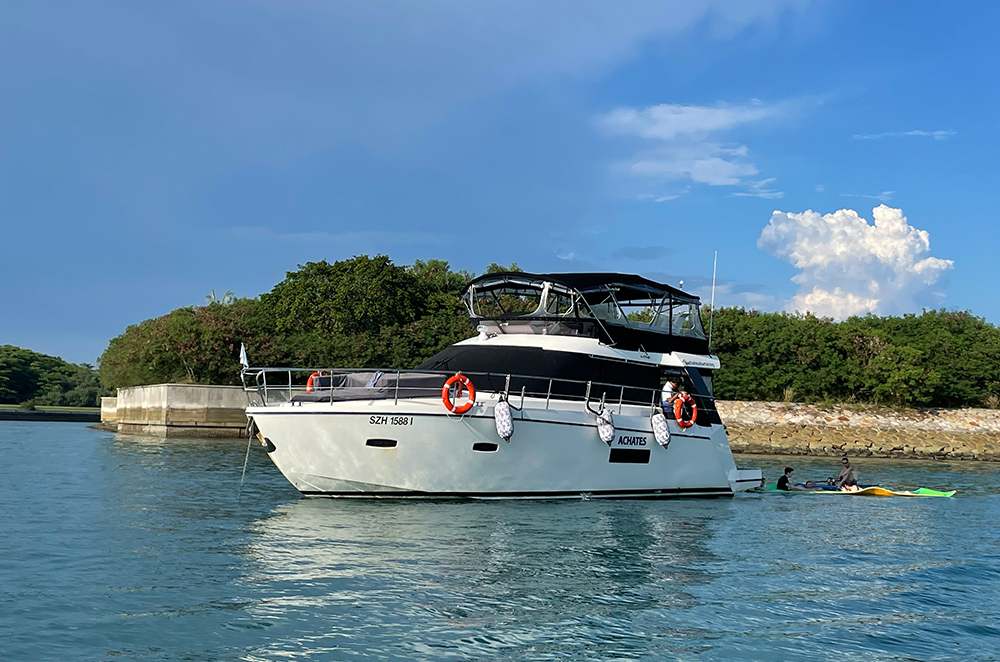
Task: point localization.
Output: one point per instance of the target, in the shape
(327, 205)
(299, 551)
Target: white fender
(606, 426)
(660, 430)
(504, 421)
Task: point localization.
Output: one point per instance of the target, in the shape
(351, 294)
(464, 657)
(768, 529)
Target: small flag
(243, 357)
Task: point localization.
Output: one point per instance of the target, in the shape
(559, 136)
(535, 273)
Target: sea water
(118, 547)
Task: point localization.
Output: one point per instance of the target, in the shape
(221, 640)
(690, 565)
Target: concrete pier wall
(181, 410)
(798, 429)
(109, 410)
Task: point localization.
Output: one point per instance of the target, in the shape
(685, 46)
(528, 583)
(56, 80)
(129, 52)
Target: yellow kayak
(867, 491)
(881, 491)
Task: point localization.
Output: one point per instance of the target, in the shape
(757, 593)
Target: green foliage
(936, 359)
(227, 299)
(369, 312)
(360, 295)
(643, 315)
(195, 345)
(495, 268)
(38, 379)
(362, 312)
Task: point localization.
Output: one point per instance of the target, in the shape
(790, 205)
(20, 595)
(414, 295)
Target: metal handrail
(414, 371)
(261, 387)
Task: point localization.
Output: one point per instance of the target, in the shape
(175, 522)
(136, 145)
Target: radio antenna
(711, 312)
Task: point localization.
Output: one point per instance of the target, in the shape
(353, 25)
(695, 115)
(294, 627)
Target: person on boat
(669, 393)
(847, 473)
(667, 396)
(850, 486)
(785, 483)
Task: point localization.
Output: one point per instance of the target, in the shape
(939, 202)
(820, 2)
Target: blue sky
(150, 153)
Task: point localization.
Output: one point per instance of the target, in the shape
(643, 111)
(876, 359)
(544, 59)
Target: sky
(839, 156)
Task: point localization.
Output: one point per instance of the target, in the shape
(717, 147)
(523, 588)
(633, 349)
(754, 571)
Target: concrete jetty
(177, 410)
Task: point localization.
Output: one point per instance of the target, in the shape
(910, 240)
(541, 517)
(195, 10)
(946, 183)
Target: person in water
(785, 483)
(847, 474)
(850, 486)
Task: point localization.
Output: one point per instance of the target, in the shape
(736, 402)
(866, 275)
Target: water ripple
(138, 549)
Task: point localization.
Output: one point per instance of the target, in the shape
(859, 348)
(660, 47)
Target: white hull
(323, 449)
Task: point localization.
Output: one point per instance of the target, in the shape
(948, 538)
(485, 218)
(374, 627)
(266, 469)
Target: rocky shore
(798, 429)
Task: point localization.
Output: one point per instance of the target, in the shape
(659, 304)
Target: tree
(190, 345)
(362, 312)
(495, 268)
(30, 377)
(360, 295)
(227, 299)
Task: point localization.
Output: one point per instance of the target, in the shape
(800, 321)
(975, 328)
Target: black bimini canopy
(625, 310)
(626, 287)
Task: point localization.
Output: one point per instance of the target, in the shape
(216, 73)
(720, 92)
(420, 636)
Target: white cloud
(668, 121)
(760, 189)
(820, 188)
(936, 135)
(706, 163)
(686, 143)
(848, 267)
(883, 197)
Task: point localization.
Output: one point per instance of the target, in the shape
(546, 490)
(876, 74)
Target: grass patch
(53, 408)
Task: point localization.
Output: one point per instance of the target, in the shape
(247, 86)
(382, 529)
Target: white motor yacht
(558, 396)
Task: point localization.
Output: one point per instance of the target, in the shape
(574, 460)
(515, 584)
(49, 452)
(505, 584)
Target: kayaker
(847, 473)
(785, 483)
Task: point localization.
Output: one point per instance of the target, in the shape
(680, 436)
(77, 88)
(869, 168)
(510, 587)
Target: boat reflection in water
(432, 580)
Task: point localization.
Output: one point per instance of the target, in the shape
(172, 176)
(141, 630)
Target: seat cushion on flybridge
(352, 386)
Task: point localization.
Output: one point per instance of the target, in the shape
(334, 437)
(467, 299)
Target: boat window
(706, 376)
(558, 303)
(608, 310)
(707, 413)
(687, 321)
(683, 319)
(509, 301)
(678, 375)
(661, 319)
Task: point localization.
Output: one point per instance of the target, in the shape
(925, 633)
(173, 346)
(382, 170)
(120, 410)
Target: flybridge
(623, 310)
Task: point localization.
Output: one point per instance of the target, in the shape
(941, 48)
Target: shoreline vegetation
(369, 312)
(31, 381)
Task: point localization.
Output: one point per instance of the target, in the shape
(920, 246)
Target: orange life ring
(463, 383)
(316, 376)
(682, 399)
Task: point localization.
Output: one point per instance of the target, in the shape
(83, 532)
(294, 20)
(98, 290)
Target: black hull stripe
(488, 418)
(572, 494)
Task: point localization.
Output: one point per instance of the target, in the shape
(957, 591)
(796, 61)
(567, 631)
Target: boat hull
(415, 449)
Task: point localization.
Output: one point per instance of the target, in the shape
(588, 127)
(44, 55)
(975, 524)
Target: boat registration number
(390, 420)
